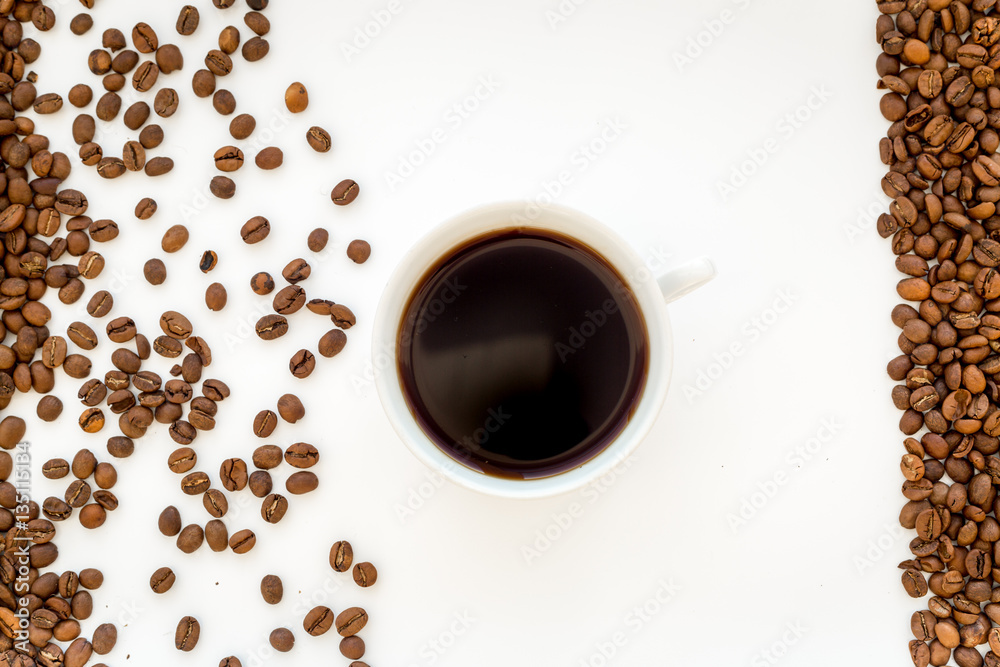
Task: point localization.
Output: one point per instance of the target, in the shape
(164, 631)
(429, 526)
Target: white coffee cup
(652, 293)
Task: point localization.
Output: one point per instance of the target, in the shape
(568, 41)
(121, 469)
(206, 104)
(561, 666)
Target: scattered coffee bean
(216, 535)
(344, 193)
(319, 139)
(351, 621)
(166, 102)
(262, 284)
(273, 508)
(318, 621)
(267, 457)
(271, 589)
(170, 521)
(255, 49)
(224, 102)
(359, 251)
(187, 634)
(352, 648)
(301, 482)
(80, 95)
(158, 166)
(154, 271)
(216, 297)
(203, 83)
(49, 408)
(242, 126)
(209, 260)
(364, 574)
(190, 538)
(187, 21)
(260, 483)
(257, 22)
(269, 158)
(162, 580)
(151, 137)
(81, 23)
(318, 239)
(222, 187)
(271, 327)
(342, 316)
(264, 424)
(302, 364)
(290, 408)
(136, 116)
(243, 541)
(296, 271)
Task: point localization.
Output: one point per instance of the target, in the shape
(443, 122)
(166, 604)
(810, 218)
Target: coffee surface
(522, 354)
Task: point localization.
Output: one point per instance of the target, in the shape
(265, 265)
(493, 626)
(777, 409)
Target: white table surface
(795, 431)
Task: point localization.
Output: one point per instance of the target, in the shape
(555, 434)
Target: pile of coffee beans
(43, 222)
(938, 68)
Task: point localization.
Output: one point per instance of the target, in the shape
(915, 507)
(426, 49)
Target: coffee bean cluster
(34, 206)
(938, 68)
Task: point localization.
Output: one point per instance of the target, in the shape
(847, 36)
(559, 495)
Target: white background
(816, 553)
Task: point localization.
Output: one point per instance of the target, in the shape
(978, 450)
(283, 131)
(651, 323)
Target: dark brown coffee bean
(224, 102)
(77, 366)
(255, 49)
(175, 325)
(111, 167)
(215, 390)
(267, 457)
(155, 271)
(151, 137)
(271, 327)
(264, 424)
(269, 158)
(166, 346)
(190, 538)
(136, 116)
(255, 230)
(82, 335)
(242, 541)
(159, 166)
(318, 621)
(344, 193)
(289, 300)
(108, 106)
(99, 62)
(290, 408)
(301, 455)
(92, 420)
(55, 469)
(296, 271)
(145, 76)
(257, 22)
(359, 251)
(318, 239)
(242, 126)
(222, 187)
(182, 460)
(233, 473)
(203, 83)
(134, 156)
(271, 589)
(364, 574)
(260, 483)
(12, 431)
(351, 621)
(218, 63)
(342, 316)
(81, 23)
(262, 284)
(302, 364)
(162, 580)
(216, 297)
(195, 483)
(215, 503)
(301, 482)
(120, 447)
(319, 139)
(165, 103)
(914, 583)
(187, 634)
(124, 62)
(170, 521)
(320, 306)
(274, 507)
(341, 556)
(48, 103)
(352, 648)
(187, 21)
(49, 408)
(229, 40)
(144, 38)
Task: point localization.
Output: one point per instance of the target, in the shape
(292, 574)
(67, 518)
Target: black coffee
(522, 353)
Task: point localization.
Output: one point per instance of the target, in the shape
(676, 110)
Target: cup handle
(686, 278)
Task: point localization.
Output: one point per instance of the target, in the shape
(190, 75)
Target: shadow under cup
(522, 353)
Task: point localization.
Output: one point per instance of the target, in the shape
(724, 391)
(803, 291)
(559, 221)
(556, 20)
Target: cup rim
(474, 222)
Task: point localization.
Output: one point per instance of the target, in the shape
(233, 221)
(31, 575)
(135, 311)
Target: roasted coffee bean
(168, 347)
(158, 166)
(302, 364)
(124, 62)
(222, 187)
(209, 260)
(175, 238)
(216, 535)
(224, 102)
(121, 330)
(359, 251)
(108, 106)
(120, 447)
(319, 139)
(351, 621)
(290, 408)
(92, 420)
(215, 503)
(364, 574)
(267, 457)
(262, 284)
(134, 118)
(175, 325)
(80, 95)
(281, 640)
(162, 580)
(81, 23)
(182, 460)
(81, 335)
(264, 424)
(318, 621)
(55, 469)
(242, 126)
(187, 634)
(145, 76)
(269, 158)
(255, 49)
(352, 648)
(260, 483)
(151, 137)
(289, 300)
(273, 508)
(218, 62)
(233, 473)
(344, 193)
(301, 455)
(257, 22)
(296, 271)
(301, 482)
(216, 297)
(271, 589)
(255, 230)
(242, 541)
(203, 83)
(155, 271)
(190, 538)
(170, 521)
(342, 316)
(318, 239)
(341, 556)
(320, 306)
(49, 408)
(271, 327)
(195, 483)
(12, 431)
(187, 21)
(165, 103)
